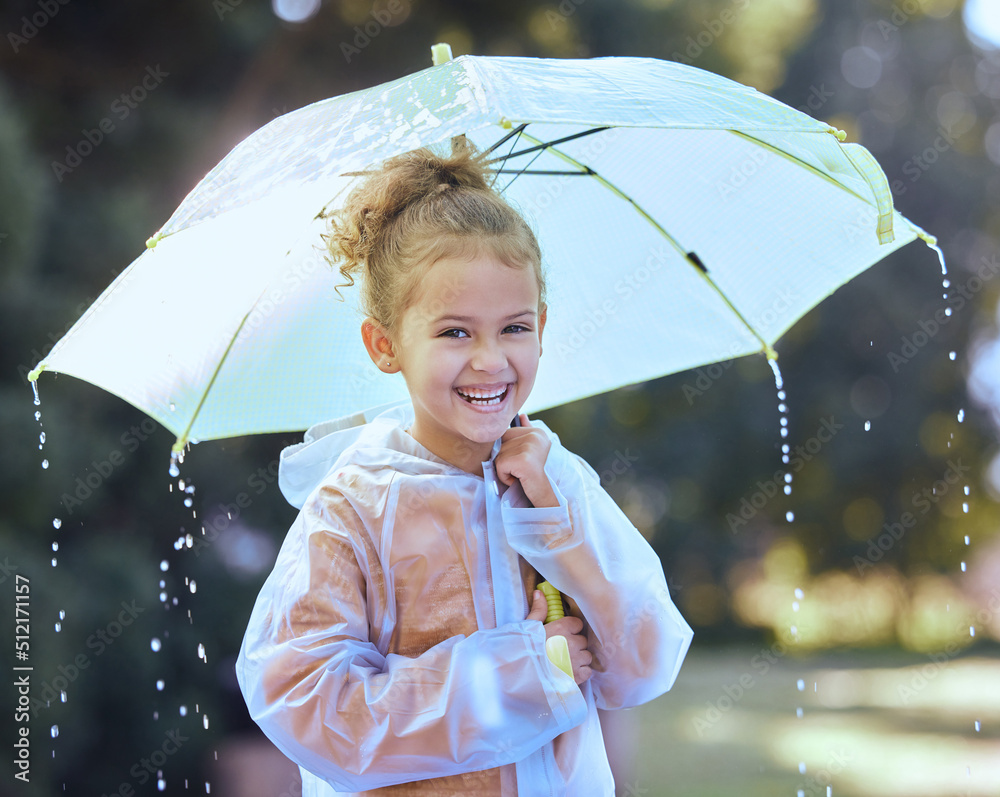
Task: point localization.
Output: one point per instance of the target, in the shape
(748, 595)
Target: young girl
(398, 647)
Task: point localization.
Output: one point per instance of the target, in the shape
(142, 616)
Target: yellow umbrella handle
(554, 598)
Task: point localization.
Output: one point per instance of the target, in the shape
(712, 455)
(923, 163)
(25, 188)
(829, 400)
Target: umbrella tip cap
(152, 241)
(770, 353)
(36, 372)
(440, 53)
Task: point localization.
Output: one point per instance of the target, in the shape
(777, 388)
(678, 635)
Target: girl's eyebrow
(465, 319)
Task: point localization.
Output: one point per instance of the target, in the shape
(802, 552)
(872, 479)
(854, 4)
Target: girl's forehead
(482, 280)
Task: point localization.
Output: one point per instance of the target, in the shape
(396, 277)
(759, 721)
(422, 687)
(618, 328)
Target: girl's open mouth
(483, 398)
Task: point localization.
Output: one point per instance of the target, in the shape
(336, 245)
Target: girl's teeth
(474, 396)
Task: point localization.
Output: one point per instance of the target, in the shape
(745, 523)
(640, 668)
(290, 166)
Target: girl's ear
(541, 327)
(379, 345)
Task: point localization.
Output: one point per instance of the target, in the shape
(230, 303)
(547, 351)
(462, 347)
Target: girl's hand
(523, 450)
(569, 627)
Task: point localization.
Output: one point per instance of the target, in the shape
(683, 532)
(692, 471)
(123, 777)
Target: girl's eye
(453, 333)
(517, 328)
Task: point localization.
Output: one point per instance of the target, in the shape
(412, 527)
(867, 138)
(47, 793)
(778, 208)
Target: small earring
(388, 364)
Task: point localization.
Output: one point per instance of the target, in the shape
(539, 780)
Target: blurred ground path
(889, 723)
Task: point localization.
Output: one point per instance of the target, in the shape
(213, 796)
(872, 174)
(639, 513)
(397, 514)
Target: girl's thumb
(539, 607)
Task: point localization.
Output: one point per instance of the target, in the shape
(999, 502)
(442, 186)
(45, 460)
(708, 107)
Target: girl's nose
(489, 357)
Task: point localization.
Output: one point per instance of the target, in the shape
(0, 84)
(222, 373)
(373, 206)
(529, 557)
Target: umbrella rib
(691, 257)
(549, 173)
(540, 145)
(182, 439)
(516, 131)
(513, 144)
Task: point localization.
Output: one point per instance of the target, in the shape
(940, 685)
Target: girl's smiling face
(468, 347)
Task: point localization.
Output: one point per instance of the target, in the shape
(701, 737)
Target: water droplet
(62, 614)
(201, 652)
(784, 458)
(978, 728)
(41, 439)
(173, 470)
(788, 478)
(54, 730)
(783, 421)
(161, 785)
(160, 685)
(951, 355)
(788, 489)
(162, 583)
(947, 311)
(966, 539)
(164, 565)
(966, 489)
(208, 788)
(961, 416)
(184, 711)
(795, 606)
(868, 426)
(972, 630)
(193, 586)
(34, 388)
(799, 593)
(155, 644)
(802, 767)
(173, 407)
(789, 516)
(188, 502)
(54, 561)
(799, 712)
(782, 407)
(55, 546)
(189, 541)
(204, 721)
(801, 685)
(963, 567)
(163, 597)
(784, 431)
(38, 415)
(62, 696)
(795, 630)
(58, 627)
(45, 464)
(965, 507)
(56, 523)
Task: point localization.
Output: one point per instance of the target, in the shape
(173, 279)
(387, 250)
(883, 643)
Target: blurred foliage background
(892, 412)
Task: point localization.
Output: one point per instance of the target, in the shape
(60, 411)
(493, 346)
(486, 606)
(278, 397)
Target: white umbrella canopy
(683, 218)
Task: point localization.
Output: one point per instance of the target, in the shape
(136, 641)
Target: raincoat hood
(376, 438)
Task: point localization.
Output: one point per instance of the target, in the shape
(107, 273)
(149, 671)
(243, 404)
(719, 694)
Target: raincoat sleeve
(589, 550)
(322, 691)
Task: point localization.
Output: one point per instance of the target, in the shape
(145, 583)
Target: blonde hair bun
(415, 209)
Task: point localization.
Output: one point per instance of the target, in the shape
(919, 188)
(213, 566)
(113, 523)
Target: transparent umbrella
(672, 206)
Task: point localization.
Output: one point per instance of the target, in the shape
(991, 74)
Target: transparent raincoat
(389, 645)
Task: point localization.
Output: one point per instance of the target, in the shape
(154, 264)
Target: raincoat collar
(376, 437)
